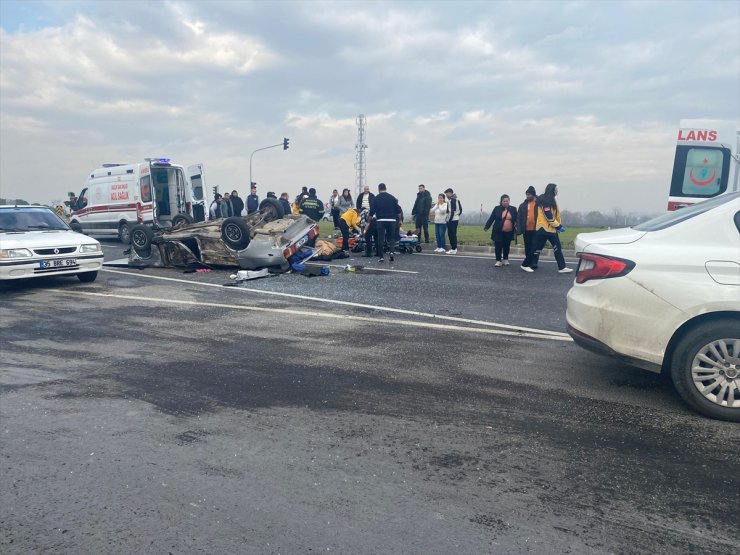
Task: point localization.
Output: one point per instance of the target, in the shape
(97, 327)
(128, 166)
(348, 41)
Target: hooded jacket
(455, 208)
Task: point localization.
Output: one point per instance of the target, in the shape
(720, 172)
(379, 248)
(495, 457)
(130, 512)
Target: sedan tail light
(596, 266)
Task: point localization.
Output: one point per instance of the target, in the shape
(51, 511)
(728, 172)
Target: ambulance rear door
(197, 183)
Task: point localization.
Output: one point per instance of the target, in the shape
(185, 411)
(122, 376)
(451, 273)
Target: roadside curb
(515, 251)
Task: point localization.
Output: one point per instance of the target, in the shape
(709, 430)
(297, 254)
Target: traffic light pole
(284, 144)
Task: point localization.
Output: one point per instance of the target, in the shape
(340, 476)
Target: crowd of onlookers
(377, 219)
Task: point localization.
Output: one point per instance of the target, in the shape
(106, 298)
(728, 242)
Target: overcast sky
(485, 97)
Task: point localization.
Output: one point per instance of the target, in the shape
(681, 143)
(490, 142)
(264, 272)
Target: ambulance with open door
(155, 192)
(706, 161)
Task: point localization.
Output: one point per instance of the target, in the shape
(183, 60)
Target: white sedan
(665, 296)
(35, 242)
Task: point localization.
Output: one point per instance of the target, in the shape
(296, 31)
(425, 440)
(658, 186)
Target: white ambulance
(116, 197)
(706, 161)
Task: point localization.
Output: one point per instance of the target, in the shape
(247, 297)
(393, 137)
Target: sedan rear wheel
(706, 369)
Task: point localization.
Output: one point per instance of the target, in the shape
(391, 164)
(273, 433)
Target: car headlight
(91, 247)
(15, 253)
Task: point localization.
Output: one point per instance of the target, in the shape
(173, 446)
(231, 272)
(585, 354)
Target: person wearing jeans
(503, 220)
(440, 212)
(548, 227)
(525, 225)
(455, 210)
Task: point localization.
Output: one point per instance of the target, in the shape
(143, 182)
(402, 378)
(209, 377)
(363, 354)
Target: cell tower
(360, 146)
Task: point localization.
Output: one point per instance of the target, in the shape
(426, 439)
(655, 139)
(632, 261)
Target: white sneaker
(498, 264)
(439, 250)
(526, 268)
(565, 271)
(452, 251)
(506, 262)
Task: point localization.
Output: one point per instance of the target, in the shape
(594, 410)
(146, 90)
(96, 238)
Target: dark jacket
(521, 217)
(422, 204)
(497, 218)
(385, 207)
(253, 203)
(237, 204)
(287, 209)
(358, 204)
(313, 208)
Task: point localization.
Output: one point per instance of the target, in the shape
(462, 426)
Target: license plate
(58, 263)
(302, 241)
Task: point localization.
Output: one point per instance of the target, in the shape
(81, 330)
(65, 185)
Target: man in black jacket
(236, 203)
(526, 225)
(420, 212)
(385, 213)
(312, 206)
(365, 200)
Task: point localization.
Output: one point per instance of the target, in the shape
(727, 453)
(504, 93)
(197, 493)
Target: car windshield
(681, 215)
(30, 219)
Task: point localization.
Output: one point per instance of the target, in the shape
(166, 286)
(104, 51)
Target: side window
(82, 200)
(737, 221)
(703, 172)
(146, 189)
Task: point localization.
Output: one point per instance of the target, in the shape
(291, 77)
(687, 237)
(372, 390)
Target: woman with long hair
(345, 202)
(547, 228)
(503, 220)
(440, 213)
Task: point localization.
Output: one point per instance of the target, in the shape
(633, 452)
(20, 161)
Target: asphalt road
(160, 412)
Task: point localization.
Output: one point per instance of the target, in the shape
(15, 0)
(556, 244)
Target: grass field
(474, 234)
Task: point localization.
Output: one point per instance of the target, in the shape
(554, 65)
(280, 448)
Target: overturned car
(264, 239)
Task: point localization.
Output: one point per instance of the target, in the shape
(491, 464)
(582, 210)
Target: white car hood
(609, 237)
(38, 239)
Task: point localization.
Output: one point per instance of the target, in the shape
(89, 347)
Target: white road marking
(312, 314)
(491, 256)
(518, 329)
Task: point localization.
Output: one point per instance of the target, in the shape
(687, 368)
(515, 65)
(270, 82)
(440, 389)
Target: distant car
(266, 238)
(665, 296)
(35, 242)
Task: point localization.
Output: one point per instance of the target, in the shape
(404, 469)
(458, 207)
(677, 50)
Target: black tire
(271, 209)
(687, 380)
(418, 248)
(141, 239)
(76, 227)
(87, 277)
(235, 232)
(182, 220)
(124, 233)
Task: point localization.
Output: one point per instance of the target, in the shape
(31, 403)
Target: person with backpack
(503, 220)
(455, 210)
(548, 227)
(440, 213)
(526, 221)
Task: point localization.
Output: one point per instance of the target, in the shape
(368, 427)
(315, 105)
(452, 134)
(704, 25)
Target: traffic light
(285, 143)
(215, 190)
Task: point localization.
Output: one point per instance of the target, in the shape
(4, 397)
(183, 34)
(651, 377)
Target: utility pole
(360, 146)
(285, 146)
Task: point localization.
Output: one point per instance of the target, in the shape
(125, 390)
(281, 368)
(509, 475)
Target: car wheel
(705, 369)
(182, 220)
(235, 233)
(141, 240)
(87, 277)
(124, 233)
(271, 209)
(76, 227)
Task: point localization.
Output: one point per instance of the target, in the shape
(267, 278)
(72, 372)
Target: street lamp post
(285, 146)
